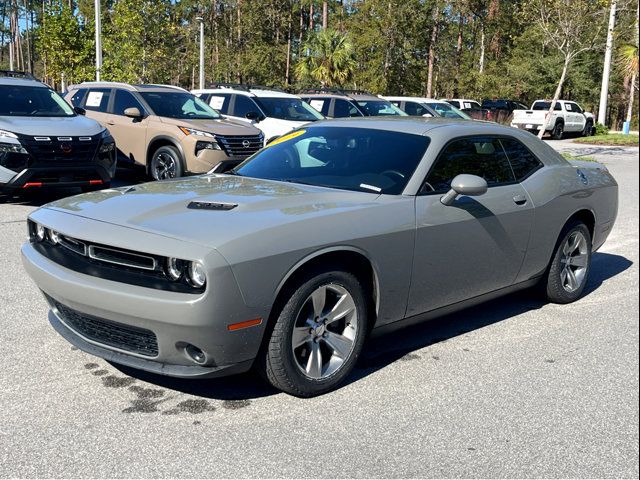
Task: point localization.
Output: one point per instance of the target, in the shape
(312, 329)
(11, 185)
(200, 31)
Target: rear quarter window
(523, 162)
(98, 100)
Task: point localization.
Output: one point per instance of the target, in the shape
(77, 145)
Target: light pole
(201, 76)
(98, 41)
(606, 71)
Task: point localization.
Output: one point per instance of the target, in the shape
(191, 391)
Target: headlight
(4, 133)
(174, 268)
(197, 133)
(41, 233)
(12, 148)
(54, 237)
(197, 275)
(202, 145)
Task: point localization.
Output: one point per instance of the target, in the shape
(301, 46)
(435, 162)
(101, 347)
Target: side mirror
(254, 116)
(132, 112)
(80, 110)
(427, 115)
(470, 185)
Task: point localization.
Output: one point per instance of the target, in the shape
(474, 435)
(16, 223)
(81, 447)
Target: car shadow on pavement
(398, 345)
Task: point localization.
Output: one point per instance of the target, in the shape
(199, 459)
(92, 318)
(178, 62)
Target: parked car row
(171, 132)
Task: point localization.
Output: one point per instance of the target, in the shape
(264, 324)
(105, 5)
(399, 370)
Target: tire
(166, 163)
(588, 129)
(301, 370)
(558, 131)
(568, 271)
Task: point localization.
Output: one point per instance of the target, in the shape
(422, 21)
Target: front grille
(112, 334)
(240, 146)
(60, 151)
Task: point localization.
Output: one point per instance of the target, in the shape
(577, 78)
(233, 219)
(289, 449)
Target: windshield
(379, 108)
(286, 108)
(360, 159)
(446, 110)
(181, 105)
(22, 101)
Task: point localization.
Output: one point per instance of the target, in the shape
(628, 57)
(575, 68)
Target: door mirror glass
(80, 110)
(132, 112)
(464, 184)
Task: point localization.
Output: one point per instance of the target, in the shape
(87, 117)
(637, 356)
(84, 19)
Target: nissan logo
(66, 148)
(246, 143)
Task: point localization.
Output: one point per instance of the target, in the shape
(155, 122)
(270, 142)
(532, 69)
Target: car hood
(163, 207)
(221, 126)
(78, 125)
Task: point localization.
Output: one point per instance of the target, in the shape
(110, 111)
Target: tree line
(477, 49)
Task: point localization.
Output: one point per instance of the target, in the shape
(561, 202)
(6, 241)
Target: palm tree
(329, 59)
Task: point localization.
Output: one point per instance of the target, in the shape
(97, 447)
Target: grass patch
(614, 139)
(582, 158)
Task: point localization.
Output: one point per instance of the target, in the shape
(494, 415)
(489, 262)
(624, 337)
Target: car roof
(249, 92)
(415, 99)
(12, 77)
(346, 95)
(127, 86)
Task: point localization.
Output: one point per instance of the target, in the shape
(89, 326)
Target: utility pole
(200, 19)
(606, 71)
(98, 41)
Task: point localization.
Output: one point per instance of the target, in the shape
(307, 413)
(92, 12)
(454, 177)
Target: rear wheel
(569, 269)
(318, 335)
(558, 131)
(166, 163)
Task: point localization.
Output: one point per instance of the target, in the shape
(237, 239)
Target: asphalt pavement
(512, 388)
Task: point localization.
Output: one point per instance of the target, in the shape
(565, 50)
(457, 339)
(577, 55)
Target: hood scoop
(211, 206)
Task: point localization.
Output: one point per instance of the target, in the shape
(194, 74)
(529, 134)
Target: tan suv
(166, 129)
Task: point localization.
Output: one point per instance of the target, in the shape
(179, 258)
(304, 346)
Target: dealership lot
(515, 387)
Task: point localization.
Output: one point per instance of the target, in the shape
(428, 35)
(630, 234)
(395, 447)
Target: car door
(476, 245)
(579, 118)
(129, 133)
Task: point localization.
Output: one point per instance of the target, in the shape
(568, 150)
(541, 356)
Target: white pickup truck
(567, 117)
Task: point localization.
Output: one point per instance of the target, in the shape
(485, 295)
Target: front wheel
(318, 335)
(588, 130)
(166, 163)
(569, 269)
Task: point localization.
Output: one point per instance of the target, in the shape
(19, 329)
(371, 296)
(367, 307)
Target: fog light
(174, 268)
(41, 232)
(54, 237)
(197, 275)
(195, 354)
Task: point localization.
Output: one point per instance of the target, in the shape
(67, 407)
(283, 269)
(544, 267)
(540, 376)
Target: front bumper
(60, 177)
(176, 319)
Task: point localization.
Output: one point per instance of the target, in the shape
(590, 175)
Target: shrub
(601, 129)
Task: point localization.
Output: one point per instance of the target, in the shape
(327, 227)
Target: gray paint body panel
(425, 255)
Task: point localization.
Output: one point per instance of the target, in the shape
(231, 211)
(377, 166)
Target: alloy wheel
(574, 262)
(325, 331)
(164, 166)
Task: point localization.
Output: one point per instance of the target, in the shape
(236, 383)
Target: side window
(320, 104)
(342, 108)
(558, 107)
(523, 162)
(78, 97)
(243, 106)
(454, 103)
(415, 109)
(220, 102)
(124, 100)
(568, 107)
(576, 108)
(98, 99)
(482, 156)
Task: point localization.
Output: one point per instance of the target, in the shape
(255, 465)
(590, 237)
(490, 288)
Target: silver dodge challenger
(334, 232)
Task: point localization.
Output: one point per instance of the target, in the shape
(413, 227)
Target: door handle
(520, 199)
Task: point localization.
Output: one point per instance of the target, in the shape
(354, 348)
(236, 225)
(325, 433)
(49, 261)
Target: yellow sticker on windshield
(285, 138)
